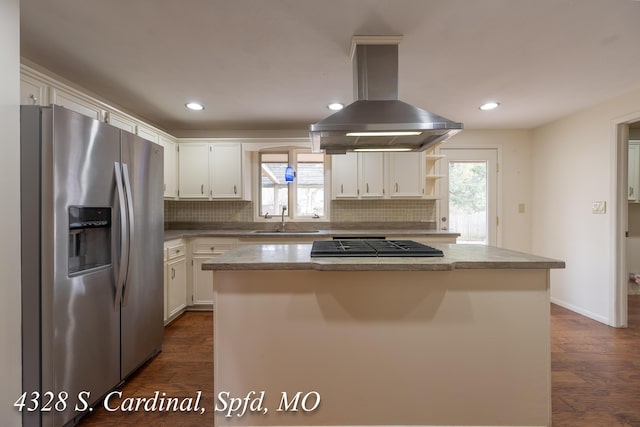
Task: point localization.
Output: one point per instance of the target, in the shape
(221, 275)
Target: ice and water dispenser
(89, 238)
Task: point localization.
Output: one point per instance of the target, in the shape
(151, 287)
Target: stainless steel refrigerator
(92, 238)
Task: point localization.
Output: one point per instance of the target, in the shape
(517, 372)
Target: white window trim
(290, 215)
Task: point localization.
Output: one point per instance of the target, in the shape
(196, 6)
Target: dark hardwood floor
(184, 367)
(595, 370)
(595, 373)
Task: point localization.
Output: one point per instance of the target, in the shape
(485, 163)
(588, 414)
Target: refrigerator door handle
(131, 239)
(124, 237)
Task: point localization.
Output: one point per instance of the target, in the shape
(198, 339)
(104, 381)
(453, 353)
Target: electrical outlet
(599, 207)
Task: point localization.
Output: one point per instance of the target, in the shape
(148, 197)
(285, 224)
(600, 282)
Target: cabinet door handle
(235, 190)
(202, 189)
(630, 191)
(173, 273)
(341, 188)
(396, 187)
(367, 187)
(212, 248)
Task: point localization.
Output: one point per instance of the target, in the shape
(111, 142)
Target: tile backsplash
(383, 210)
(342, 211)
(207, 211)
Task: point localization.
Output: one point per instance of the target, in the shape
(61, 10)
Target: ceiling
(276, 64)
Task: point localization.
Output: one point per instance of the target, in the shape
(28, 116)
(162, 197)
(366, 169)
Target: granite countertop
(244, 233)
(297, 257)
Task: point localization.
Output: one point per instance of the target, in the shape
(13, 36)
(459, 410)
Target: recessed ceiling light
(489, 105)
(336, 106)
(194, 106)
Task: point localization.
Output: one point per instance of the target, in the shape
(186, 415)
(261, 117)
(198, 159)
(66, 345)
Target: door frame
(444, 198)
(619, 222)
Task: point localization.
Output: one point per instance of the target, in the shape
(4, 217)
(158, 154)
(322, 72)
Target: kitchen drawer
(211, 246)
(176, 251)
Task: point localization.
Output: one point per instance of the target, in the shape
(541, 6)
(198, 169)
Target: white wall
(10, 371)
(515, 170)
(573, 166)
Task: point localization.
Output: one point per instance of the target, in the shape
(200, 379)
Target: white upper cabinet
(193, 171)
(120, 121)
(344, 176)
(378, 175)
(76, 103)
(213, 170)
(357, 176)
(37, 88)
(406, 174)
(148, 133)
(32, 91)
(226, 171)
(371, 170)
(170, 167)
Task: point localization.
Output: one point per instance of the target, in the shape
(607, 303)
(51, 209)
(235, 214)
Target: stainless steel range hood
(378, 120)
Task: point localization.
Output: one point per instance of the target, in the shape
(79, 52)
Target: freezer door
(143, 297)
(83, 321)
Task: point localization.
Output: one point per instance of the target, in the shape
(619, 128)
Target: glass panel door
(470, 189)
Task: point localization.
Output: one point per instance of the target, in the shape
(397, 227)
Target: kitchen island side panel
(461, 347)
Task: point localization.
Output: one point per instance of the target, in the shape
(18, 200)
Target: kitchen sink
(285, 232)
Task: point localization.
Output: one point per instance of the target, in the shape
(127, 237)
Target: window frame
(291, 214)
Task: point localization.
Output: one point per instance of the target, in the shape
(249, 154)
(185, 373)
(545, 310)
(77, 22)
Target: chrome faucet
(284, 209)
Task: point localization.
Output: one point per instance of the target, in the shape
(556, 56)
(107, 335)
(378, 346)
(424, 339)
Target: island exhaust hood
(377, 120)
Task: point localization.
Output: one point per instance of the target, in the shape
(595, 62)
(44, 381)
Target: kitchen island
(458, 340)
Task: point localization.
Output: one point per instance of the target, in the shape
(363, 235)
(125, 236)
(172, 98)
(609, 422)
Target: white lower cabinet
(175, 279)
(202, 250)
(202, 282)
(177, 292)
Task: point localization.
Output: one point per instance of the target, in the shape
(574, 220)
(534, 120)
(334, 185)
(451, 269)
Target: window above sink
(304, 197)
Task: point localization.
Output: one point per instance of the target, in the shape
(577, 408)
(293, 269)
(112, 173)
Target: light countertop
(243, 233)
(297, 257)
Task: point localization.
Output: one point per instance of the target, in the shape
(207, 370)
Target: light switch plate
(599, 207)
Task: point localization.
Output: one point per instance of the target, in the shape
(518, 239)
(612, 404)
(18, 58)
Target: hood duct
(377, 120)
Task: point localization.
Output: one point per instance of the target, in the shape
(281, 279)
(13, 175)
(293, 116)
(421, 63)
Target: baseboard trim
(199, 307)
(582, 311)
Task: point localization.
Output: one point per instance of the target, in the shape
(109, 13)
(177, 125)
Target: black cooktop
(372, 248)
